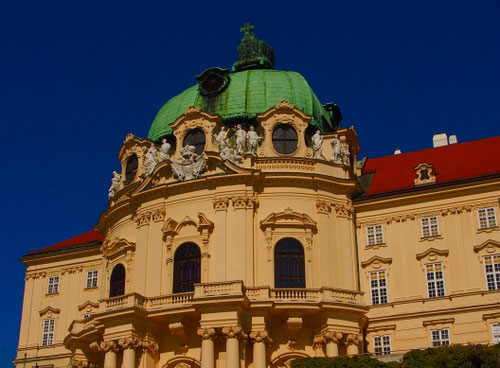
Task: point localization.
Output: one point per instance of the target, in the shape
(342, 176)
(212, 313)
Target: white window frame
(48, 330)
(440, 337)
(378, 292)
(495, 332)
(53, 285)
(492, 271)
(374, 235)
(432, 279)
(382, 345)
(429, 226)
(488, 216)
(92, 279)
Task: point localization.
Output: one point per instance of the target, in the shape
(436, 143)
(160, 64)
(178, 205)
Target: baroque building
(244, 232)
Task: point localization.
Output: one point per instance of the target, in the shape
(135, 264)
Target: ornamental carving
(323, 207)
(425, 174)
(220, 204)
(232, 332)
(261, 336)
(159, 215)
(190, 165)
(130, 342)
(206, 333)
(71, 270)
(244, 202)
(332, 336)
(35, 275)
(142, 219)
(490, 245)
(150, 346)
(353, 339)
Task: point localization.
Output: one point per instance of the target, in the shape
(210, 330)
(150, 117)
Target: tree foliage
(455, 356)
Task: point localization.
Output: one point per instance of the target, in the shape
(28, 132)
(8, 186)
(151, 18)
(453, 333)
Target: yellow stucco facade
(384, 273)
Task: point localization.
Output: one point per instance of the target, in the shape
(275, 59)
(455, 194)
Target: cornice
(490, 245)
(431, 251)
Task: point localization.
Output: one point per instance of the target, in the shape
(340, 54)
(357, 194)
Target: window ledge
(51, 294)
(375, 246)
(431, 238)
(91, 288)
(487, 229)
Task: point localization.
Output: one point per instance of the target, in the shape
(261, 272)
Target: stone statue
(253, 140)
(190, 164)
(221, 138)
(231, 154)
(345, 155)
(165, 150)
(241, 138)
(317, 143)
(115, 184)
(336, 147)
(150, 161)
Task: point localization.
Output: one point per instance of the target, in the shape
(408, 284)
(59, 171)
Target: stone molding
(35, 275)
(490, 245)
(71, 270)
(444, 321)
(142, 219)
(49, 311)
(206, 333)
(110, 248)
(432, 254)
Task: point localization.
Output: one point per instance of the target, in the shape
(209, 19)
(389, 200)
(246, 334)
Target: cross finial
(247, 28)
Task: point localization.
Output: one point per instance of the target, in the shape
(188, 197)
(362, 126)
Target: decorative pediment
(376, 261)
(490, 245)
(432, 254)
(133, 144)
(49, 311)
(172, 228)
(288, 218)
(284, 107)
(119, 245)
(87, 304)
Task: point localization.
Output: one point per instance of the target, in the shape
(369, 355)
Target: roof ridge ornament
(252, 52)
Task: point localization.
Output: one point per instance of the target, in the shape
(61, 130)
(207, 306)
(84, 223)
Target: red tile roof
(90, 237)
(451, 163)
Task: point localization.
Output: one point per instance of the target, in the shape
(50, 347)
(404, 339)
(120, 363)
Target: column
(110, 347)
(128, 345)
(353, 342)
(232, 346)
(207, 347)
(332, 340)
(259, 339)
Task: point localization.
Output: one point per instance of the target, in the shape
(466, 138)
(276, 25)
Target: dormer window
(424, 174)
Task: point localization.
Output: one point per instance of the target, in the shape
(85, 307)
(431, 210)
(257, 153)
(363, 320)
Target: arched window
(131, 168)
(289, 269)
(117, 281)
(285, 139)
(195, 137)
(186, 267)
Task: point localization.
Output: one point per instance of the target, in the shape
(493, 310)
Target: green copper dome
(247, 94)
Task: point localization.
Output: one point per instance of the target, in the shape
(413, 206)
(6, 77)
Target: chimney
(397, 151)
(440, 140)
(453, 139)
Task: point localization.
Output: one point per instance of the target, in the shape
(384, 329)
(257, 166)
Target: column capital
(353, 339)
(260, 336)
(332, 336)
(129, 342)
(149, 345)
(232, 332)
(105, 346)
(318, 341)
(206, 333)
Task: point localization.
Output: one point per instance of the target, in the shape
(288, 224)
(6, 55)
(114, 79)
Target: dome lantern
(252, 52)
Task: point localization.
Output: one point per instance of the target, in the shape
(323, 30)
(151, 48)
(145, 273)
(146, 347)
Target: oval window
(196, 138)
(285, 138)
(131, 169)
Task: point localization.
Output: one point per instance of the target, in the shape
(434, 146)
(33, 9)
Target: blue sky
(76, 77)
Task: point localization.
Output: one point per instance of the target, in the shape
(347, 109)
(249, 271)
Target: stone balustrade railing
(229, 288)
(173, 300)
(218, 289)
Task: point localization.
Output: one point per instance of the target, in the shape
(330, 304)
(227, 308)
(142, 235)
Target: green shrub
(455, 356)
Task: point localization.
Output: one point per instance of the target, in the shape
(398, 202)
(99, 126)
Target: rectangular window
(382, 344)
(429, 226)
(435, 280)
(375, 235)
(48, 332)
(440, 337)
(487, 218)
(92, 277)
(495, 329)
(378, 285)
(492, 271)
(53, 286)
(87, 315)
